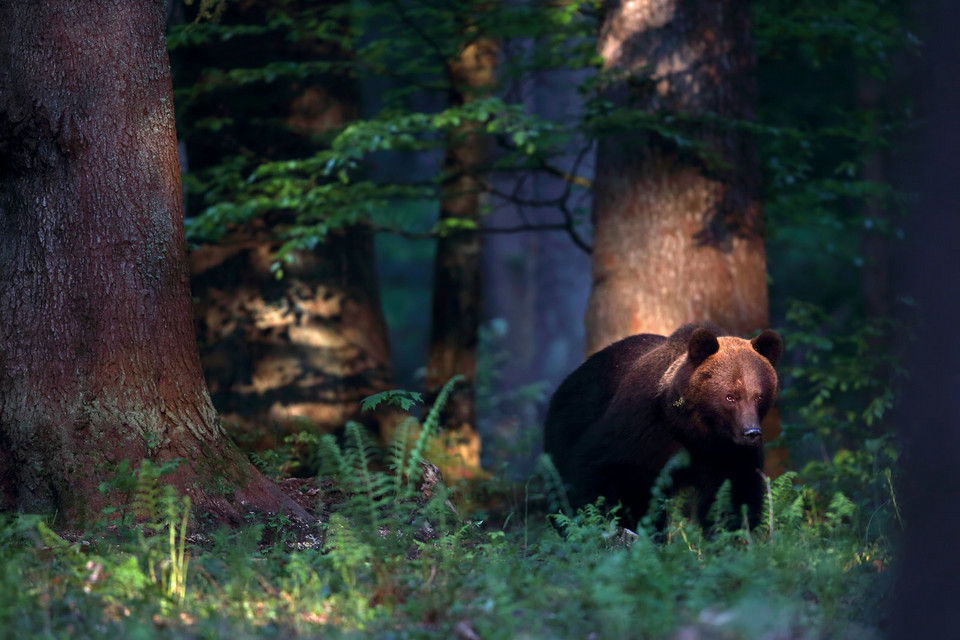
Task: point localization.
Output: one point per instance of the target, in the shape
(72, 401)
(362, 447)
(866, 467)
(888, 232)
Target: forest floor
(476, 563)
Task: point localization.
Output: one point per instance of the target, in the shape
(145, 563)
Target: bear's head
(724, 386)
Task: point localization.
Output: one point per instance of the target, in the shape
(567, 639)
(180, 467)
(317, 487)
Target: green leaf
(405, 400)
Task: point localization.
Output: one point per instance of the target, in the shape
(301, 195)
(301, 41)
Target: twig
(429, 235)
(420, 32)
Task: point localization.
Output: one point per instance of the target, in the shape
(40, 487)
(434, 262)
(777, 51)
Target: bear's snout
(752, 433)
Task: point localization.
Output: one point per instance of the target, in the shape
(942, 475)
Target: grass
(424, 572)
(393, 553)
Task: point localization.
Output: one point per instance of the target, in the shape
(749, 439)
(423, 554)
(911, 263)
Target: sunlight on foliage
(390, 557)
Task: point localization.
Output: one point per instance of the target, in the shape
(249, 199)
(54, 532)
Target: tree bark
(98, 361)
(301, 352)
(678, 232)
(456, 286)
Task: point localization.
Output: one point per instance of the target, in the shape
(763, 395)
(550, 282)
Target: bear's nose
(751, 433)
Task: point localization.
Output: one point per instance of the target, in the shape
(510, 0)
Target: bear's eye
(731, 398)
(759, 397)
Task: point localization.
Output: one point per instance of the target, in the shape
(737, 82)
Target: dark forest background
(384, 195)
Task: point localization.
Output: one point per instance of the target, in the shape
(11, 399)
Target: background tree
(677, 215)
(425, 147)
(297, 347)
(98, 352)
(676, 211)
(536, 283)
(817, 136)
(455, 317)
(385, 171)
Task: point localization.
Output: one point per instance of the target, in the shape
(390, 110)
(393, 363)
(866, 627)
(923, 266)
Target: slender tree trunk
(456, 287)
(300, 352)
(98, 361)
(678, 234)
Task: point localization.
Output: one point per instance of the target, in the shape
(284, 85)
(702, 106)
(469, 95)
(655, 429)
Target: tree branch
(431, 235)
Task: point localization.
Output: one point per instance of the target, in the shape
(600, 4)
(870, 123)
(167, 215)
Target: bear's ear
(701, 345)
(769, 345)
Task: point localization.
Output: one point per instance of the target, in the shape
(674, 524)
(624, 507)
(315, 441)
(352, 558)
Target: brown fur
(615, 422)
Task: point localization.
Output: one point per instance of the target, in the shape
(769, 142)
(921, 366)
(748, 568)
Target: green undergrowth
(804, 582)
(393, 554)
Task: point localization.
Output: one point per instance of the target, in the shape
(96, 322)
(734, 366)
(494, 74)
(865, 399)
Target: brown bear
(615, 422)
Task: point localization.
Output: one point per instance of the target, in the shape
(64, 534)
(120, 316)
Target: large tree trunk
(678, 234)
(456, 285)
(300, 352)
(679, 231)
(98, 361)
(927, 590)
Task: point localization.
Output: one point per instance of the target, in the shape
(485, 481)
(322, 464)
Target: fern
(721, 511)
(592, 525)
(556, 492)
(788, 501)
(154, 502)
(346, 551)
(261, 464)
(656, 512)
(841, 509)
(404, 400)
(369, 485)
(429, 426)
(397, 458)
(374, 500)
(332, 461)
(158, 506)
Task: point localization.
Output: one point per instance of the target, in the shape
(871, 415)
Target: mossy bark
(98, 360)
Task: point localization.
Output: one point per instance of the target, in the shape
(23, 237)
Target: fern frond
(841, 508)
(359, 454)
(429, 426)
(333, 463)
(553, 485)
(660, 490)
(721, 511)
(399, 398)
(345, 550)
(398, 451)
(147, 498)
